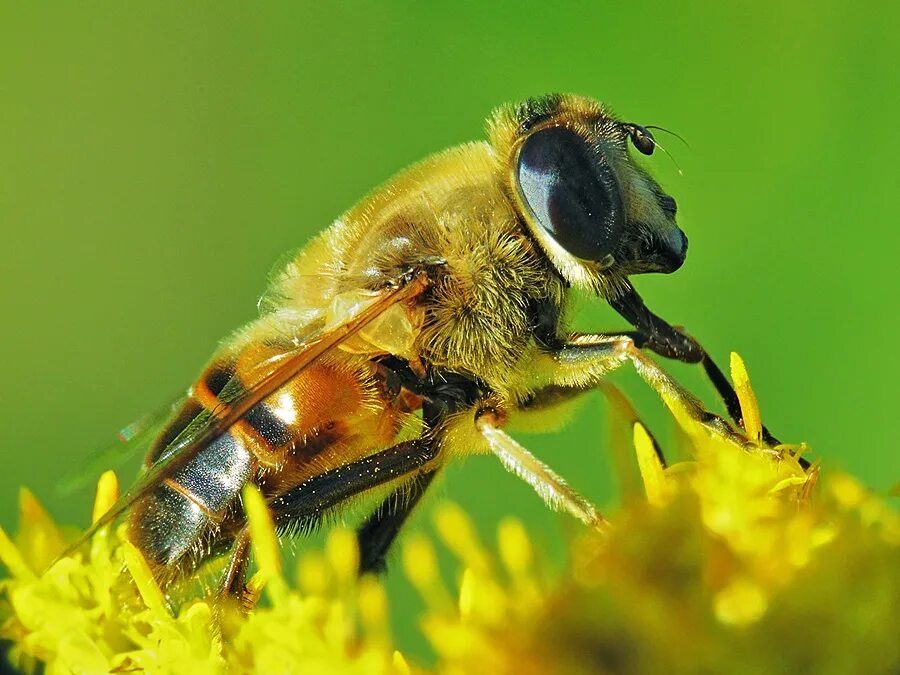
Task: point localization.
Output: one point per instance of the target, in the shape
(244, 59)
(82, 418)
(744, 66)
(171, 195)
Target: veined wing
(132, 441)
(263, 380)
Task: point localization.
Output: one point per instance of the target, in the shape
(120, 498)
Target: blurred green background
(156, 158)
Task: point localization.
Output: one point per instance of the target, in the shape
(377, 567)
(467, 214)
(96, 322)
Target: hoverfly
(413, 329)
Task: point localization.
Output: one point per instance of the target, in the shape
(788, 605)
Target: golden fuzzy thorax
(450, 208)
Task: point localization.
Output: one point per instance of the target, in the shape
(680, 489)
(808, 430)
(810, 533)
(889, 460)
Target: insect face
(599, 216)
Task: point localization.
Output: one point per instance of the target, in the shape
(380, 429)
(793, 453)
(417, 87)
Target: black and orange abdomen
(332, 413)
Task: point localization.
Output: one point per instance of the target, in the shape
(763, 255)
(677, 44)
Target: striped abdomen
(328, 415)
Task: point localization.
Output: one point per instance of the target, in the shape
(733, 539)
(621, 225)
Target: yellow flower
(84, 615)
(737, 561)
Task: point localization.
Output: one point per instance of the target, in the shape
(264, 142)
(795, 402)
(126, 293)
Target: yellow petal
(420, 561)
(401, 667)
(788, 482)
(312, 573)
(372, 603)
(343, 554)
(459, 535)
(421, 567)
(655, 481)
(747, 398)
(264, 541)
(140, 571)
(515, 548)
(740, 603)
(466, 594)
(39, 539)
(619, 422)
(107, 495)
(10, 556)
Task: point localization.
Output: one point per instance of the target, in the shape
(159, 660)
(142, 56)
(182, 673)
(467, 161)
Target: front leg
(584, 361)
(657, 335)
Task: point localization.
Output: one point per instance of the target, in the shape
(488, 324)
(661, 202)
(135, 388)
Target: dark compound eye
(571, 192)
(641, 138)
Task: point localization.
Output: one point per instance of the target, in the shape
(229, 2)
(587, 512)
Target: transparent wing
(238, 397)
(132, 441)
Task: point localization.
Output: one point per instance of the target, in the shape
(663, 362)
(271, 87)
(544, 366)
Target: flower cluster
(83, 615)
(738, 560)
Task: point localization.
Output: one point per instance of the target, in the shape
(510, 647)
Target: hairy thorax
(451, 214)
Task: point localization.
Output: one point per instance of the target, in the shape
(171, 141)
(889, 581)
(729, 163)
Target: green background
(155, 159)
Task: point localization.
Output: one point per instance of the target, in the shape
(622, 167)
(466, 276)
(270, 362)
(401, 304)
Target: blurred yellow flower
(738, 560)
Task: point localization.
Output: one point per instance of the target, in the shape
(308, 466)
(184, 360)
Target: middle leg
(516, 459)
(656, 334)
(303, 506)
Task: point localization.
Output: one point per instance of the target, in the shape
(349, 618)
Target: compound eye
(571, 192)
(641, 138)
